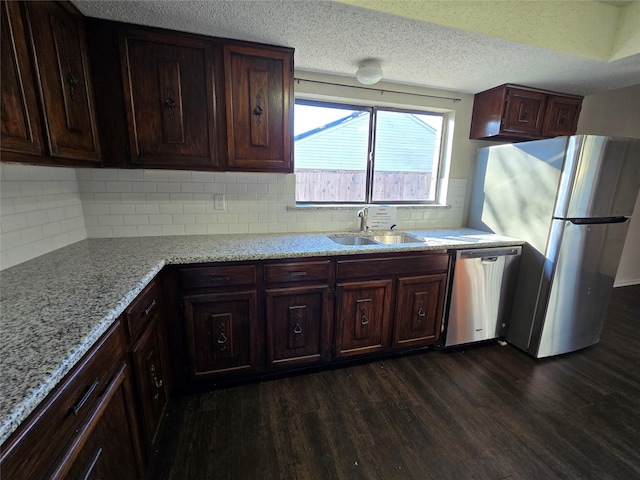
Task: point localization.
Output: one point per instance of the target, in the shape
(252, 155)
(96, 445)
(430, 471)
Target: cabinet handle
(150, 307)
(421, 313)
(298, 274)
(297, 329)
(219, 278)
(170, 102)
(364, 321)
(93, 463)
(73, 84)
(78, 406)
(222, 338)
(156, 382)
(258, 110)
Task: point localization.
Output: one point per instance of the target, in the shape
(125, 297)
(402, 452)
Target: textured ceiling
(332, 38)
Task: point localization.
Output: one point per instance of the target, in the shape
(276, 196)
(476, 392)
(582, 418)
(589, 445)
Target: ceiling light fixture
(369, 72)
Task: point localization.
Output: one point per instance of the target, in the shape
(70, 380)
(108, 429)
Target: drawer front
(223, 276)
(142, 310)
(41, 438)
(387, 266)
(297, 272)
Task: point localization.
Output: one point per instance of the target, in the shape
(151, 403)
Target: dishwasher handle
(488, 254)
(489, 259)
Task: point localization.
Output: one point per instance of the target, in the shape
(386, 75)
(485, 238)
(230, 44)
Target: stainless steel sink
(354, 240)
(376, 239)
(393, 238)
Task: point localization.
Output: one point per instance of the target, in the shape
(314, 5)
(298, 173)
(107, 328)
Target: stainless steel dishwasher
(481, 293)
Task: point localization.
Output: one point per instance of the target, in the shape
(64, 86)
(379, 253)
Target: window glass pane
(406, 156)
(331, 146)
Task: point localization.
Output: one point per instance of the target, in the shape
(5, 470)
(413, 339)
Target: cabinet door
(561, 117)
(362, 318)
(20, 124)
(170, 99)
(419, 307)
(150, 381)
(107, 446)
(298, 325)
(60, 46)
(221, 333)
(524, 112)
(259, 90)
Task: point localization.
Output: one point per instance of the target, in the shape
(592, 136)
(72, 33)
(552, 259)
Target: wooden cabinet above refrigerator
(513, 113)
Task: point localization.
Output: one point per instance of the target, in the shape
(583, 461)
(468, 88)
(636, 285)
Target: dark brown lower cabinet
(298, 325)
(106, 447)
(150, 373)
(362, 317)
(86, 427)
(419, 309)
(221, 333)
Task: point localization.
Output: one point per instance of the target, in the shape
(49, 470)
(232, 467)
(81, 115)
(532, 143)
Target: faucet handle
(362, 213)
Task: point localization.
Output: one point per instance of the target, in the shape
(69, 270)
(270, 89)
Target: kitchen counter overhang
(55, 307)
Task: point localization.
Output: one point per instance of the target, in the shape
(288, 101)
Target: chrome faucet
(363, 214)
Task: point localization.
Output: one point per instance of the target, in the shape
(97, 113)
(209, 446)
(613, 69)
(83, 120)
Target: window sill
(338, 206)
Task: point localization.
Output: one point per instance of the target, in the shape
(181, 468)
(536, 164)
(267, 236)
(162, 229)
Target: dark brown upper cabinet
(512, 112)
(47, 97)
(259, 103)
(177, 100)
(170, 97)
(21, 127)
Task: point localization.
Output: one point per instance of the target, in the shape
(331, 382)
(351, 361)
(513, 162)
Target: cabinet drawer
(142, 310)
(386, 266)
(41, 438)
(297, 272)
(229, 275)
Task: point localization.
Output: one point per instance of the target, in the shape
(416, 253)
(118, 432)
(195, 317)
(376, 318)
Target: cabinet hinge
(127, 151)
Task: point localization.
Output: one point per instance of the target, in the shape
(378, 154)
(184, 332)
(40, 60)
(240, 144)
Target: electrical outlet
(218, 202)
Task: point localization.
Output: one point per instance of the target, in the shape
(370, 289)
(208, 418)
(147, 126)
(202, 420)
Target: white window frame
(444, 160)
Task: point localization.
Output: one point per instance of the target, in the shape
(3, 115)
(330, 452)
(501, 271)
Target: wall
(617, 113)
(40, 211)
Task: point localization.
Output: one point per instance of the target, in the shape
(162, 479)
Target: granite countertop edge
(101, 277)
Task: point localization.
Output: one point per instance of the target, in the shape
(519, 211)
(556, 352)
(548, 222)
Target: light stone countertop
(55, 307)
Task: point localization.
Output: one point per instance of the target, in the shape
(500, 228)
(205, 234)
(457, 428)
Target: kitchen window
(363, 154)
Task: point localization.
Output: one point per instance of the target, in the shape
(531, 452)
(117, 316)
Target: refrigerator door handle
(596, 221)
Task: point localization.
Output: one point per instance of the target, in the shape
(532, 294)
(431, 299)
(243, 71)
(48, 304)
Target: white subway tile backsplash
(67, 204)
(149, 230)
(121, 208)
(171, 208)
(181, 176)
(130, 175)
(133, 197)
(172, 230)
(41, 210)
(105, 220)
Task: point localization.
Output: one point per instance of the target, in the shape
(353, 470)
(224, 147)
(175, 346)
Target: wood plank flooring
(484, 413)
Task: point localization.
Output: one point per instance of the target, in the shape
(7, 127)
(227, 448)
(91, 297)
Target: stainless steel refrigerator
(570, 199)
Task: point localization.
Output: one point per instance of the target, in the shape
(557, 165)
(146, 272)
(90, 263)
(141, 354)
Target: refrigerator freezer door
(582, 281)
(514, 189)
(601, 177)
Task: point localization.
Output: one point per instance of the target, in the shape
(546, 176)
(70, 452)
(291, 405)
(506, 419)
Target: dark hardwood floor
(484, 413)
